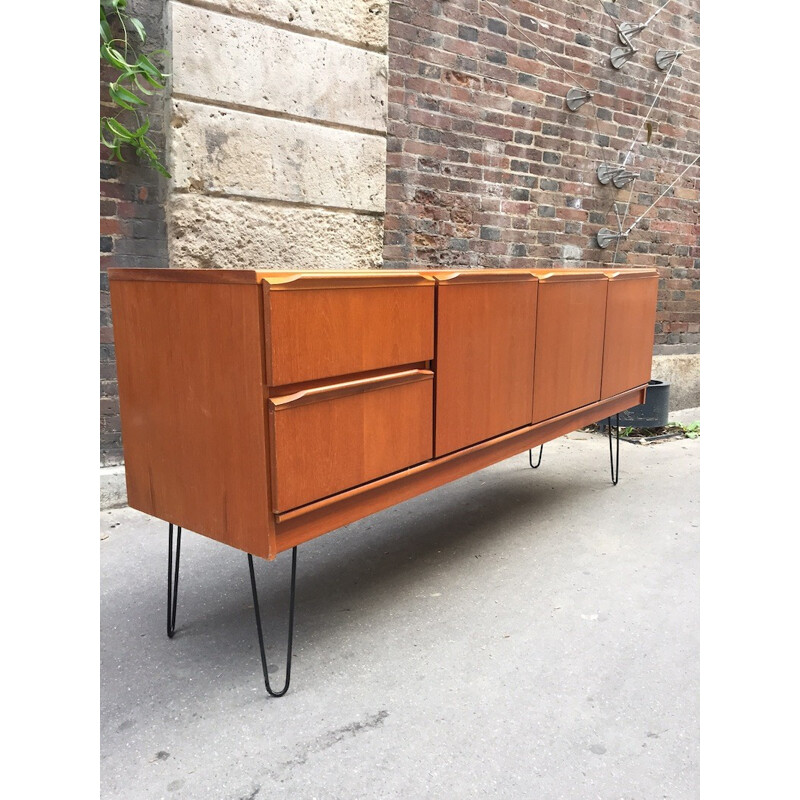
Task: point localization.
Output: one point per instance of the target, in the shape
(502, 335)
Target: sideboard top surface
(314, 278)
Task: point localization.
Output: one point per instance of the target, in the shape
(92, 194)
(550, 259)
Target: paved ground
(516, 634)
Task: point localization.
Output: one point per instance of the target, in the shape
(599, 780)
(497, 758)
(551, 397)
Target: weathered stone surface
(362, 21)
(219, 57)
(218, 150)
(682, 372)
(212, 232)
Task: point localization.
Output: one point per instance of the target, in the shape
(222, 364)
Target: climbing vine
(136, 78)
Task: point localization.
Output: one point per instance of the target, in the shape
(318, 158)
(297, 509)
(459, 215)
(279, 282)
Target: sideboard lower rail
(302, 524)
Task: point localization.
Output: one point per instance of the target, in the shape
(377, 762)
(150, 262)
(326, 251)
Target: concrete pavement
(517, 634)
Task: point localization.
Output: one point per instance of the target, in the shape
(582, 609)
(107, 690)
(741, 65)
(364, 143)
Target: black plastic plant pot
(653, 413)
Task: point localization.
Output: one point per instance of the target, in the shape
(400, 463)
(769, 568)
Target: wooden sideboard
(265, 408)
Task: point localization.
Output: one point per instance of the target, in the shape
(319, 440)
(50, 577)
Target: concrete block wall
(277, 133)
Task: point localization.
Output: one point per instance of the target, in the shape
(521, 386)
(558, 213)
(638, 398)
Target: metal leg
(261, 635)
(530, 457)
(172, 583)
(614, 472)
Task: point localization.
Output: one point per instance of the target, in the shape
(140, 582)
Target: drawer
(322, 326)
(331, 438)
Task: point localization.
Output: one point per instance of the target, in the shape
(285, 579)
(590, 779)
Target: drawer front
(630, 329)
(484, 358)
(317, 333)
(569, 345)
(332, 438)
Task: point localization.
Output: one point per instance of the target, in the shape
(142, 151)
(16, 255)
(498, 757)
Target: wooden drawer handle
(483, 276)
(331, 392)
(564, 276)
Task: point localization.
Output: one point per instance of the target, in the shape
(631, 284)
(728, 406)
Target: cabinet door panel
(569, 343)
(630, 328)
(484, 357)
(331, 438)
(320, 328)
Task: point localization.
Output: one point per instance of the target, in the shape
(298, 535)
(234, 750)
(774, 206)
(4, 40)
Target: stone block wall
(277, 133)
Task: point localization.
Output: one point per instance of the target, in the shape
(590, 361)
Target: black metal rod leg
(614, 466)
(172, 582)
(530, 457)
(260, 633)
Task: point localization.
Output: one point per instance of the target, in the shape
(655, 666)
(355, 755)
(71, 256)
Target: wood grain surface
(315, 519)
(484, 358)
(190, 370)
(569, 344)
(321, 333)
(630, 331)
(326, 441)
(263, 408)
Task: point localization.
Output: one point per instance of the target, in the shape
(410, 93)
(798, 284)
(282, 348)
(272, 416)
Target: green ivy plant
(137, 78)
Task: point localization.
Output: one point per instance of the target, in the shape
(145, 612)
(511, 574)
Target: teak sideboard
(264, 408)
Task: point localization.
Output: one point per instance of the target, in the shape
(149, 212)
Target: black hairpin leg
(261, 635)
(614, 467)
(530, 457)
(172, 582)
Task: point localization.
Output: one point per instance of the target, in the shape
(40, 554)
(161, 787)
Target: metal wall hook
(623, 177)
(621, 55)
(627, 30)
(606, 173)
(605, 236)
(172, 587)
(665, 58)
(530, 457)
(614, 472)
(577, 97)
(260, 633)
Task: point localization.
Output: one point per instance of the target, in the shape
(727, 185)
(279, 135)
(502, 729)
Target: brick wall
(132, 229)
(487, 167)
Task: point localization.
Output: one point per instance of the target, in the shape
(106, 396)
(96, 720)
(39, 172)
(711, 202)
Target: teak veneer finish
(264, 408)
(485, 333)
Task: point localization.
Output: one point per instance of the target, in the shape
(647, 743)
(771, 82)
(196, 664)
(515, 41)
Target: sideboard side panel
(190, 369)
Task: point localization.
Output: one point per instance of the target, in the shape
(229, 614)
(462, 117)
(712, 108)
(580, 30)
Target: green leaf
(145, 149)
(649, 132)
(122, 97)
(149, 68)
(139, 86)
(138, 27)
(153, 82)
(110, 145)
(105, 28)
(118, 129)
(113, 56)
(139, 132)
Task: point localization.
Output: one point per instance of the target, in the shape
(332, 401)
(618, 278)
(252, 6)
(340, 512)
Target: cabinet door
(569, 342)
(630, 329)
(485, 326)
(330, 438)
